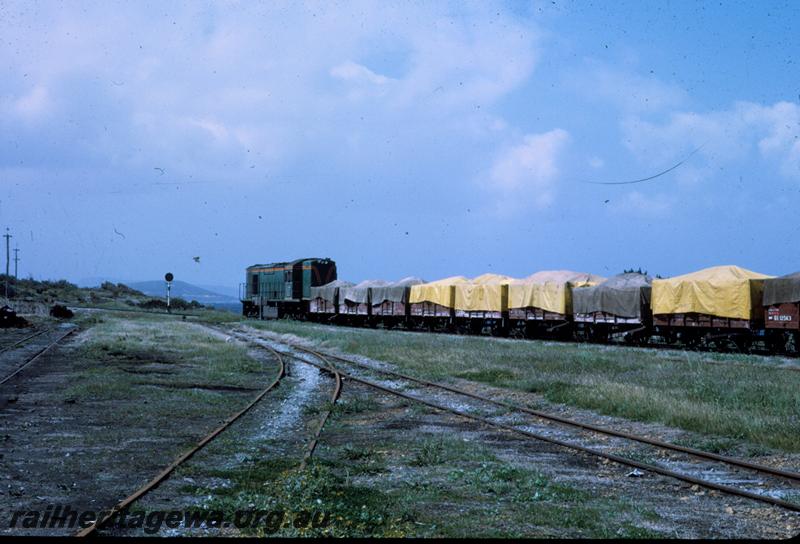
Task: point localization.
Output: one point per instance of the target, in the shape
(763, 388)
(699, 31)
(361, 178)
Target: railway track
(130, 310)
(709, 456)
(337, 391)
(164, 474)
(33, 358)
(331, 369)
(327, 366)
(23, 340)
(795, 476)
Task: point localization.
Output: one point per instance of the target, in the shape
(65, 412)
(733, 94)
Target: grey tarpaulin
(622, 295)
(328, 291)
(783, 289)
(394, 292)
(359, 293)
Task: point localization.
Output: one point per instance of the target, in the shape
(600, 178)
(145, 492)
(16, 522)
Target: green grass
(164, 365)
(464, 491)
(431, 452)
(277, 485)
(468, 492)
(752, 401)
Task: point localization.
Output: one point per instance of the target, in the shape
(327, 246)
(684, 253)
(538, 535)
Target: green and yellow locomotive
(282, 289)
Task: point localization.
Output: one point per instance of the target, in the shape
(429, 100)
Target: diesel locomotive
(278, 290)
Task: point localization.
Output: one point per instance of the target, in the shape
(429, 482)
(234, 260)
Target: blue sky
(424, 138)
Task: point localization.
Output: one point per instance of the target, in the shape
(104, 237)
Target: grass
(460, 490)
(374, 483)
(319, 492)
(753, 401)
(167, 367)
(431, 452)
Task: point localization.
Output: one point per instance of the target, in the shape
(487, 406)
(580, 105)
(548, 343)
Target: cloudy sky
(424, 138)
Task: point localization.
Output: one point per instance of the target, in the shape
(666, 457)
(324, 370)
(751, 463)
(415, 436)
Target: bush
(175, 304)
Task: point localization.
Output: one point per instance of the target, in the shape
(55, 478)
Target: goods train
(723, 308)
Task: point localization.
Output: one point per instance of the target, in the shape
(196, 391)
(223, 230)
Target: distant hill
(227, 290)
(184, 290)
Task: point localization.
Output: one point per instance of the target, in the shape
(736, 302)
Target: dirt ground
(384, 466)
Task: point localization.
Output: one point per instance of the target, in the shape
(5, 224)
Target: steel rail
(337, 391)
(586, 426)
(326, 414)
(25, 339)
(130, 310)
(161, 476)
(610, 456)
(37, 355)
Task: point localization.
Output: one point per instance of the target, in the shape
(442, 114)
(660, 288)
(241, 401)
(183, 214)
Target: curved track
(337, 390)
(164, 474)
(763, 469)
(568, 445)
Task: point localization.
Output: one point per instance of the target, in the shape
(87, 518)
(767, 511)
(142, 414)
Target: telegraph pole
(16, 261)
(7, 236)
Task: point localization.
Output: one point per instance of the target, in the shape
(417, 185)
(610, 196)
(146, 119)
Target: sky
(399, 138)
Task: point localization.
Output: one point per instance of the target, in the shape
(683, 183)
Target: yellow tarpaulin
(724, 291)
(438, 292)
(550, 290)
(482, 294)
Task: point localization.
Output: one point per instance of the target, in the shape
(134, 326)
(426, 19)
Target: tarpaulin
(782, 290)
(328, 291)
(723, 291)
(359, 293)
(482, 294)
(550, 290)
(438, 292)
(394, 292)
(623, 295)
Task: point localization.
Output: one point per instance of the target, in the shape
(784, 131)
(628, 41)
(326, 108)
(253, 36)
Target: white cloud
(456, 65)
(779, 137)
(530, 169)
(32, 105)
(596, 162)
(726, 136)
(627, 90)
(218, 131)
(266, 80)
(356, 73)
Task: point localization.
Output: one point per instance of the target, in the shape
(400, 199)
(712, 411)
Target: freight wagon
(782, 312)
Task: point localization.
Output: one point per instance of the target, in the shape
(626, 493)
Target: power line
(7, 236)
(670, 169)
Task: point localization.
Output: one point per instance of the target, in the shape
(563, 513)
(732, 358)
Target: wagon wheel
(793, 343)
(598, 335)
(690, 339)
(636, 339)
(743, 343)
(777, 343)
